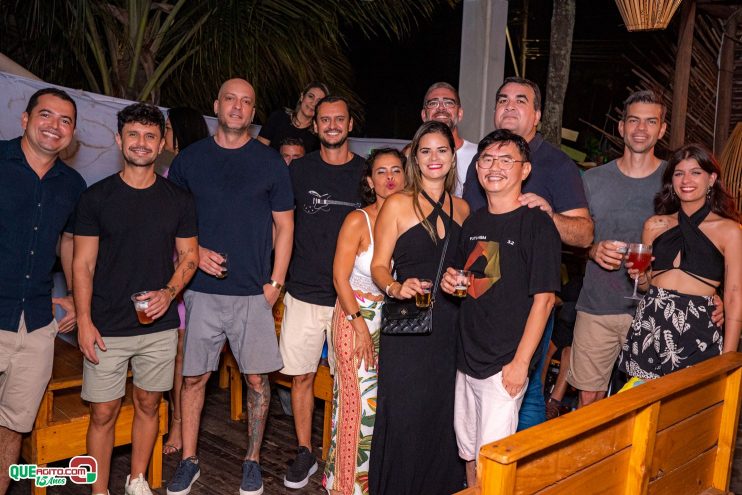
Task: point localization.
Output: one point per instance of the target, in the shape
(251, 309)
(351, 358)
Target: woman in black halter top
(697, 248)
(413, 450)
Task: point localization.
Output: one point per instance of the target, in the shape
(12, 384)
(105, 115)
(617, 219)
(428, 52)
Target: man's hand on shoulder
(532, 200)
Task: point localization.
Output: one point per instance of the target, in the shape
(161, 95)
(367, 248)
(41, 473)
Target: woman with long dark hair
(414, 446)
(697, 248)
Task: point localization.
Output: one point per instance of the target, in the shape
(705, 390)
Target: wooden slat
(560, 461)
(689, 479)
(728, 432)
(607, 476)
(497, 479)
(681, 406)
(642, 450)
(685, 440)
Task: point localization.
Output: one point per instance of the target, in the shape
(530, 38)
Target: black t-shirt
(136, 230)
(512, 256)
(324, 195)
(279, 128)
(236, 192)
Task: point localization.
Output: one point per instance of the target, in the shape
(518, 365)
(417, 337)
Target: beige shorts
(25, 369)
(597, 342)
(303, 332)
(152, 359)
(483, 412)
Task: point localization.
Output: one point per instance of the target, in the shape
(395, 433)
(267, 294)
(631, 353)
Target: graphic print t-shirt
(324, 195)
(512, 256)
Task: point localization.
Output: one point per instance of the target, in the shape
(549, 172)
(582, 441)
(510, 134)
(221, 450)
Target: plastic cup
(141, 305)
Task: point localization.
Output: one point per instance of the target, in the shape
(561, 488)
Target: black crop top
(699, 257)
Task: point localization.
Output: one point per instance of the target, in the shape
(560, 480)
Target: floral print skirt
(670, 331)
(353, 404)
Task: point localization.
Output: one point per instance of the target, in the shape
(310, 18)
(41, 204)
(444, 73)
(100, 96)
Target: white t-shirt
(464, 156)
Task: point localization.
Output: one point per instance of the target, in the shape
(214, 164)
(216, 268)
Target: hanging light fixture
(645, 15)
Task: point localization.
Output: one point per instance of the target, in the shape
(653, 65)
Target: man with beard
(38, 194)
(620, 194)
(442, 103)
(326, 186)
(126, 229)
(242, 188)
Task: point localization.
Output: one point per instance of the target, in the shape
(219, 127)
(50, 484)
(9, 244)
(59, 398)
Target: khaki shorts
(25, 369)
(152, 359)
(483, 412)
(597, 342)
(303, 333)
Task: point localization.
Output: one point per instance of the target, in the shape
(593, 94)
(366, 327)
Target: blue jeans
(533, 409)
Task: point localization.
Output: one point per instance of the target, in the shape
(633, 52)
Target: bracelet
(386, 289)
(275, 284)
(70, 292)
(355, 315)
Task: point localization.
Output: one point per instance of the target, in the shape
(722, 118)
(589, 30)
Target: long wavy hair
(666, 201)
(312, 85)
(414, 175)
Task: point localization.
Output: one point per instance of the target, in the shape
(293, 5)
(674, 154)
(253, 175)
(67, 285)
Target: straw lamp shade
(731, 165)
(645, 15)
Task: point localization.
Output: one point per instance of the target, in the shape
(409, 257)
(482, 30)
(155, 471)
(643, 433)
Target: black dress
(413, 450)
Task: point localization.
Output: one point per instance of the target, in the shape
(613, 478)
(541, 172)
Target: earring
(708, 193)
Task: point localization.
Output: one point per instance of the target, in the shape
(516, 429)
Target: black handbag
(404, 317)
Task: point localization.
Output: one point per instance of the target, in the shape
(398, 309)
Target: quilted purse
(404, 317)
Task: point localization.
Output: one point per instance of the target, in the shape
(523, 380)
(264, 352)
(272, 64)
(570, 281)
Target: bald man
(241, 187)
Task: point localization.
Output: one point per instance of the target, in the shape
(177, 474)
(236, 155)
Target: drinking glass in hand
(463, 279)
(423, 300)
(140, 306)
(640, 255)
(224, 266)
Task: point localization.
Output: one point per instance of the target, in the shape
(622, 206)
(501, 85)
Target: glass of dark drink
(224, 266)
(640, 255)
(463, 279)
(140, 306)
(423, 300)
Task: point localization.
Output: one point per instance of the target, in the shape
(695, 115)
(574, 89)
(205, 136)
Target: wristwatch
(353, 316)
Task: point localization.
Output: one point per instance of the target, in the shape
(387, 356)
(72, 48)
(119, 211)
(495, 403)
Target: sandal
(169, 448)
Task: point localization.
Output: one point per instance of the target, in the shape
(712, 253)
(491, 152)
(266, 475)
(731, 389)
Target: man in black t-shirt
(326, 187)
(126, 229)
(513, 253)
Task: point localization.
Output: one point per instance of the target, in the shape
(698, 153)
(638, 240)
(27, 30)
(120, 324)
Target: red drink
(640, 260)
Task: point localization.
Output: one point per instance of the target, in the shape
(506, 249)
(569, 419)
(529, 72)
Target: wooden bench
(674, 435)
(62, 421)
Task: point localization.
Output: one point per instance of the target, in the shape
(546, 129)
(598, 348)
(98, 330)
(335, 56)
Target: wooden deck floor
(222, 447)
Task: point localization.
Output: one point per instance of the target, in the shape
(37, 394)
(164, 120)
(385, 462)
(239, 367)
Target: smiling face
(691, 182)
(441, 105)
(642, 127)
(515, 110)
(235, 107)
(49, 128)
(387, 175)
(333, 123)
(140, 143)
(308, 101)
(503, 177)
(434, 155)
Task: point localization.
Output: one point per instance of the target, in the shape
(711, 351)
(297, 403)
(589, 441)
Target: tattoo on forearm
(257, 413)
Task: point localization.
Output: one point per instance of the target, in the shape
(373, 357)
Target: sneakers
(252, 480)
(137, 486)
(304, 466)
(184, 477)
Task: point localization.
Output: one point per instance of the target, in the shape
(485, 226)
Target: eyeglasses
(506, 162)
(445, 102)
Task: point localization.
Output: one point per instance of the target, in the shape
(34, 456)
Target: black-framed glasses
(437, 102)
(506, 162)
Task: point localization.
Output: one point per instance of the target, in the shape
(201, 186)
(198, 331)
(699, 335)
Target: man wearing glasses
(513, 253)
(442, 103)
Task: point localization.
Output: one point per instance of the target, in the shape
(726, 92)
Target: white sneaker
(138, 486)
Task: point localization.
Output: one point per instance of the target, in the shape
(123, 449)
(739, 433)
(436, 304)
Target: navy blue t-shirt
(554, 177)
(236, 191)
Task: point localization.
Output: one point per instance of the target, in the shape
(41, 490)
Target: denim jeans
(533, 409)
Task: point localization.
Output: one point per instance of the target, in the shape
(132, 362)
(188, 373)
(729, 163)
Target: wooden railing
(674, 435)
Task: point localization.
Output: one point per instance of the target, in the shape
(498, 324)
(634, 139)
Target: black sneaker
(184, 477)
(252, 480)
(304, 466)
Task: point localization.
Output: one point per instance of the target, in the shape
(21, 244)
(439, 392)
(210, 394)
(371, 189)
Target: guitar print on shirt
(322, 202)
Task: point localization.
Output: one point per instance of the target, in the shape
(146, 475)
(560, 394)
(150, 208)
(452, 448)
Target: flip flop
(170, 449)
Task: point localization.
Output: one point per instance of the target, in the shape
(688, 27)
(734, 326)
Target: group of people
(232, 227)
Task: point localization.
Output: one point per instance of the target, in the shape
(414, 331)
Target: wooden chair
(673, 435)
(62, 421)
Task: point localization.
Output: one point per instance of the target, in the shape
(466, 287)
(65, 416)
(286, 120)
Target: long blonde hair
(414, 175)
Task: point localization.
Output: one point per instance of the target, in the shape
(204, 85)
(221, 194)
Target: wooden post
(642, 449)
(728, 431)
(724, 88)
(682, 74)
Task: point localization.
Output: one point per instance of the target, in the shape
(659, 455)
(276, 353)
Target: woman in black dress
(413, 450)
